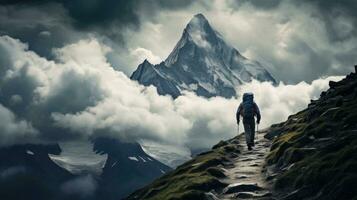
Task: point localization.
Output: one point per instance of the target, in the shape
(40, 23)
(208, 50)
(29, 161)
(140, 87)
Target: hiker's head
(248, 96)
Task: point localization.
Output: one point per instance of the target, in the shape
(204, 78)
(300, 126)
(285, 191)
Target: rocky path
(246, 177)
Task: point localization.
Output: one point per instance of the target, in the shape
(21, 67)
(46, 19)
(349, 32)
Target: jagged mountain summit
(201, 62)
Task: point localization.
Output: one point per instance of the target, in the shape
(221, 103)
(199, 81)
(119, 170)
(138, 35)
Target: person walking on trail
(248, 109)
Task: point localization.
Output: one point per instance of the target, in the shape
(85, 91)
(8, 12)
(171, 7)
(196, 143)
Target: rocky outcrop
(314, 153)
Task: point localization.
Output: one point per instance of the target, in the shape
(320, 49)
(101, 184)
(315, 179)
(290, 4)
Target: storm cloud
(296, 40)
(64, 66)
(103, 12)
(315, 37)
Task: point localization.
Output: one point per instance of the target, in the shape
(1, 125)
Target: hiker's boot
(249, 147)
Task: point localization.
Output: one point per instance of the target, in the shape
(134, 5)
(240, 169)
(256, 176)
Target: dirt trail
(246, 177)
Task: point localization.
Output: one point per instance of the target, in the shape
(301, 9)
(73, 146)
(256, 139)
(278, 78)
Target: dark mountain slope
(314, 154)
(127, 168)
(27, 172)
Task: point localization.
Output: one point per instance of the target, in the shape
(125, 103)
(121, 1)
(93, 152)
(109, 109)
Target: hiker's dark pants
(249, 130)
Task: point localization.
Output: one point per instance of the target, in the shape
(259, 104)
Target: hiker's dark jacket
(240, 112)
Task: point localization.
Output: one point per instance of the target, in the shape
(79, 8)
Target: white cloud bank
(141, 54)
(84, 94)
(13, 131)
(277, 103)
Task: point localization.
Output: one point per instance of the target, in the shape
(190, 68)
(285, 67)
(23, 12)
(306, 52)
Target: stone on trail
(271, 176)
(211, 196)
(234, 188)
(242, 177)
(251, 195)
(246, 178)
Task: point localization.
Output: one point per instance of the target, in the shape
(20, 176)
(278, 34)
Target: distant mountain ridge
(127, 168)
(33, 170)
(201, 62)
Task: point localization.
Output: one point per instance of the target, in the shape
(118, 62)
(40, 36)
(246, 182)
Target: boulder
(235, 188)
(251, 195)
(220, 144)
(333, 84)
(273, 133)
(211, 196)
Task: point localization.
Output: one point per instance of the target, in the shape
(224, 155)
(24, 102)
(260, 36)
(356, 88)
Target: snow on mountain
(170, 155)
(78, 158)
(201, 62)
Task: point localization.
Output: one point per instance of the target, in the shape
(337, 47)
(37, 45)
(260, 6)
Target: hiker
(248, 109)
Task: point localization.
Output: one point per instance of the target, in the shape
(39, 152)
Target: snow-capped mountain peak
(201, 62)
(200, 31)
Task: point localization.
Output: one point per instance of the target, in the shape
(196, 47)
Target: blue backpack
(248, 105)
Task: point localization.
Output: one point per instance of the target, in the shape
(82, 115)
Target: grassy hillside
(192, 179)
(314, 153)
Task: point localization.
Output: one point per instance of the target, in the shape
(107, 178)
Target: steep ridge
(195, 178)
(228, 171)
(201, 62)
(314, 153)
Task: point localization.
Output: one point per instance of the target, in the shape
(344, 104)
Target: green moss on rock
(315, 153)
(192, 179)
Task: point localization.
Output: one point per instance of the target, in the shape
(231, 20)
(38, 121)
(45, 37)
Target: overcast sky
(64, 65)
(296, 40)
